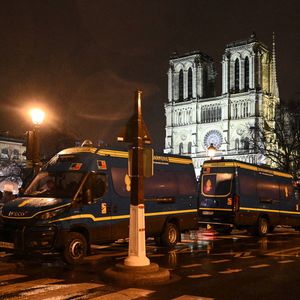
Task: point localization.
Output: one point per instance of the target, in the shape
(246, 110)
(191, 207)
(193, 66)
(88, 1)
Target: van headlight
(50, 214)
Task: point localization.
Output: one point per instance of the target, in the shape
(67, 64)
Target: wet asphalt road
(203, 266)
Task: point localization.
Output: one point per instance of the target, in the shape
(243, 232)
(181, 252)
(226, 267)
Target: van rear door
(216, 195)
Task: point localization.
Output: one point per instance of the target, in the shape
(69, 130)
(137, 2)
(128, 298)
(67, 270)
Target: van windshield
(218, 184)
(54, 185)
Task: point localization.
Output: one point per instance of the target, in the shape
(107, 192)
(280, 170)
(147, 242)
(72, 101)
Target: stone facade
(197, 118)
(12, 149)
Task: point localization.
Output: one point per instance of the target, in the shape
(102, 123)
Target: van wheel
(170, 235)
(262, 226)
(75, 248)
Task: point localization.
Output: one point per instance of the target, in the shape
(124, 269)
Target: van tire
(262, 226)
(75, 248)
(170, 235)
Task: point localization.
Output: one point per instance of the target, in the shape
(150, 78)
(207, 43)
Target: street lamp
(211, 151)
(37, 117)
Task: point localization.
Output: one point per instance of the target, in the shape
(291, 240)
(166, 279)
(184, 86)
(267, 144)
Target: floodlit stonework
(197, 118)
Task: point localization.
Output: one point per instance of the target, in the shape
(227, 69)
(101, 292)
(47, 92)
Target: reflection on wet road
(204, 265)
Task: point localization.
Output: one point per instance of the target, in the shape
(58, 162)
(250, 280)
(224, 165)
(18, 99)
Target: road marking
(259, 266)
(10, 277)
(287, 252)
(250, 256)
(191, 266)
(57, 291)
(127, 294)
(285, 261)
(199, 276)
(241, 254)
(220, 261)
(229, 271)
(190, 297)
(6, 289)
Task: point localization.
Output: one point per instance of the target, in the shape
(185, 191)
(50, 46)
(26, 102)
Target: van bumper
(217, 217)
(29, 239)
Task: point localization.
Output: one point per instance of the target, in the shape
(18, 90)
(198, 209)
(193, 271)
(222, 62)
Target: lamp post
(37, 117)
(211, 151)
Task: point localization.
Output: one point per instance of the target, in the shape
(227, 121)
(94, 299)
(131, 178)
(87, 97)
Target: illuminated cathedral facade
(196, 118)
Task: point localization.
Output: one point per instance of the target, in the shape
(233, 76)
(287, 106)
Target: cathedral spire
(274, 85)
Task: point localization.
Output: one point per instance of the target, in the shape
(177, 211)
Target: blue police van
(82, 197)
(243, 195)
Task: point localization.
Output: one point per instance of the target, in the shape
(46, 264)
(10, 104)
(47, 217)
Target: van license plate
(7, 245)
(207, 213)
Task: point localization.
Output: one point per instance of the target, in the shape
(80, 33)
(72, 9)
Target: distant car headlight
(50, 214)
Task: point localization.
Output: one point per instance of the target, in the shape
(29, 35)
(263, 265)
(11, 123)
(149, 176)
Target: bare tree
(278, 139)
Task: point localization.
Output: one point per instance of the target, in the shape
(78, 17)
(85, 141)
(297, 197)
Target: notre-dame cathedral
(197, 118)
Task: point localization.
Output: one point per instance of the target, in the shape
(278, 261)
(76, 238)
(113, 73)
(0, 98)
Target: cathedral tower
(196, 118)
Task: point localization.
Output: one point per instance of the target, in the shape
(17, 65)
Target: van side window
(94, 187)
(99, 185)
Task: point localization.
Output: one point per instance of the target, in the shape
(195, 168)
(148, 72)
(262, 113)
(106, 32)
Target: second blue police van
(243, 195)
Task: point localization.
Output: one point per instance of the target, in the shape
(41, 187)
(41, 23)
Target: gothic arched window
(179, 118)
(237, 75)
(235, 111)
(180, 86)
(205, 82)
(180, 148)
(244, 110)
(190, 83)
(189, 147)
(208, 114)
(16, 154)
(237, 144)
(246, 143)
(246, 73)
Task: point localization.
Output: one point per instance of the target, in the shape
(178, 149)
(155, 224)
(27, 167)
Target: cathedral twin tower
(197, 118)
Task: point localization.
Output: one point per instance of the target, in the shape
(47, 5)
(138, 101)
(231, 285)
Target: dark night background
(83, 60)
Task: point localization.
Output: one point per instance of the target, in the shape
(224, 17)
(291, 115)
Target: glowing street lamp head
(37, 116)
(211, 151)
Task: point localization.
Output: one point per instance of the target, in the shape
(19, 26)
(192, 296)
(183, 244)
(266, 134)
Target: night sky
(83, 60)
